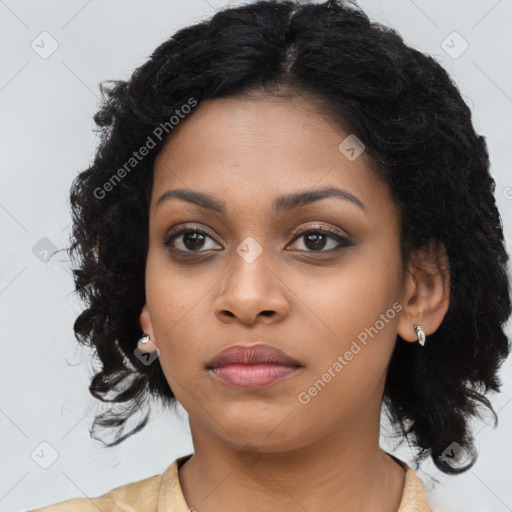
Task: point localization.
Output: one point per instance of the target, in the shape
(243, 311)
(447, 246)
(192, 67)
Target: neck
(346, 467)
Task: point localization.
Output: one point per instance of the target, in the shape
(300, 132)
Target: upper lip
(251, 354)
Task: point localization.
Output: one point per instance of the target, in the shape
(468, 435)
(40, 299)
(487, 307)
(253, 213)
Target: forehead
(246, 150)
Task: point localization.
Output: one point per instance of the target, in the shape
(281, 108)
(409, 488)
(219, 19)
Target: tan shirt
(162, 493)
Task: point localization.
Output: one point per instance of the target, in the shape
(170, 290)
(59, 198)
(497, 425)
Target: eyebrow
(284, 203)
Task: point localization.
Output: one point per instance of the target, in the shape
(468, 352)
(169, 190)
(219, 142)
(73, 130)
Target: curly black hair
(419, 137)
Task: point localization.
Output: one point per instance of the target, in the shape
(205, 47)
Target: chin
(267, 437)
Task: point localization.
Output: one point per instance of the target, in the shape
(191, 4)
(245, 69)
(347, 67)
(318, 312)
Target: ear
(147, 327)
(426, 296)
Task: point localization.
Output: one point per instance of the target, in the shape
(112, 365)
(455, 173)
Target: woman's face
(247, 275)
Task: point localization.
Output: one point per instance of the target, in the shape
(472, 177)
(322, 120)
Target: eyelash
(342, 241)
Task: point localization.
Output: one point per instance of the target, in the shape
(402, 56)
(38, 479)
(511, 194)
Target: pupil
(195, 239)
(318, 241)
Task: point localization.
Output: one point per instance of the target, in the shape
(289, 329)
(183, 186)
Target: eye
(317, 239)
(194, 240)
(191, 240)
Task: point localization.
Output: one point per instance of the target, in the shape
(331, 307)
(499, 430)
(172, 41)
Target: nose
(250, 293)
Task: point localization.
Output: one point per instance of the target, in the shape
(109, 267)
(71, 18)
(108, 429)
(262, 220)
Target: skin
(310, 303)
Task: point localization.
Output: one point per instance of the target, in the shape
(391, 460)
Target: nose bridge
(249, 273)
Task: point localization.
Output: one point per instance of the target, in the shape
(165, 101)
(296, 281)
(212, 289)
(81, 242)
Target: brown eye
(189, 240)
(318, 239)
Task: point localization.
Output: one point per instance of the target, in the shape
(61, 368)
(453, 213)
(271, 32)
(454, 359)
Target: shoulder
(414, 494)
(140, 495)
(147, 495)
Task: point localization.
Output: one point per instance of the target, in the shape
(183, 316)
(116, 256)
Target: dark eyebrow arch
(281, 204)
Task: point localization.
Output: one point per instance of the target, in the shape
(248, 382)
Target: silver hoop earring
(420, 334)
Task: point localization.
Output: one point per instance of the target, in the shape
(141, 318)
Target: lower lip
(253, 376)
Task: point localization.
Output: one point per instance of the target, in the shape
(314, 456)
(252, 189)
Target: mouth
(252, 366)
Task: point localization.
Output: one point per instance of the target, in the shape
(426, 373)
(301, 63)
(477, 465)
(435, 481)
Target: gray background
(47, 103)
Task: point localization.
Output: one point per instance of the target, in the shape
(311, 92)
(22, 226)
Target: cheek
(355, 317)
(351, 296)
(178, 308)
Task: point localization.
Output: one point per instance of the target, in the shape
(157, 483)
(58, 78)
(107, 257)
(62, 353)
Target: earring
(420, 334)
(144, 340)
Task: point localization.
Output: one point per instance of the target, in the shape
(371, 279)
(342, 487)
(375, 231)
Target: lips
(252, 354)
(252, 367)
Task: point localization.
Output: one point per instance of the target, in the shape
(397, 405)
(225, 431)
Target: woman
(290, 222)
